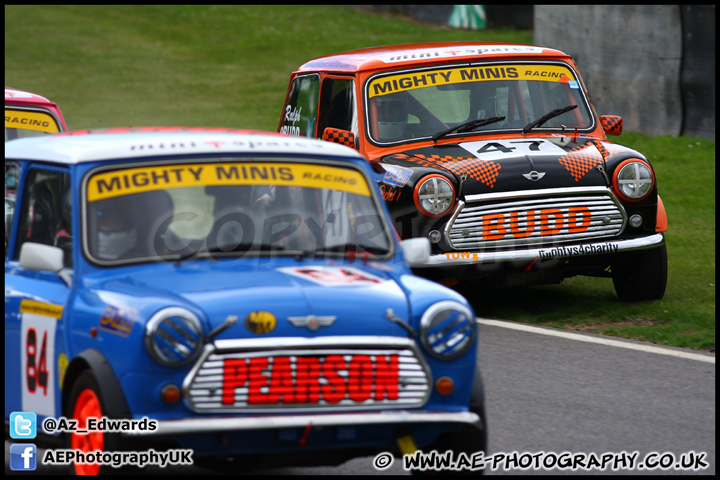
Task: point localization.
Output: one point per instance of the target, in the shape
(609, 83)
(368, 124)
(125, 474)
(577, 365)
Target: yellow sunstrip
(41, 122)
(145, 179)
(411, 81)
(41, 308)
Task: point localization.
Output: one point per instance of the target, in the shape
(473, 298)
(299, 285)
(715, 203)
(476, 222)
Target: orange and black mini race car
(496, 155)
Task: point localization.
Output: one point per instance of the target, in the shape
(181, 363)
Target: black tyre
(469, 440)
(643, 276)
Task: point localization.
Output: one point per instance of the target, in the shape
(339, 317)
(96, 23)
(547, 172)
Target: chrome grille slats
(465, 230)
(203, 386)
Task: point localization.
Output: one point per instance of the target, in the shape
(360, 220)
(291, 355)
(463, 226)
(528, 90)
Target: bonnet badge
(534, 175)
(312, 322)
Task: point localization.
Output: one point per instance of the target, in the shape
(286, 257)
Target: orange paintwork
(661, 222)
(363, 63)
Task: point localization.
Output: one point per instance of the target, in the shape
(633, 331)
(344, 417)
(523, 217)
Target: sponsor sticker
(118, 321)
(334, 276)
(460, 51)
(502, 149)
(318, 379)
(413, 80)
(38, 121)
(260, 322)
(37, 355)
(395, 175)
(142, 179)
(41, 308)
(17, 94)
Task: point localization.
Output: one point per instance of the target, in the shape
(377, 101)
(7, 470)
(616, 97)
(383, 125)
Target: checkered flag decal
(483, 171)
(335, 135)
(584, 158)
(601, 148)
(581, 160)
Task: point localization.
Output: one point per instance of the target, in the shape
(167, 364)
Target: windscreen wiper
(466, 126)
(546, 117)
(354, 250)
(190, 254)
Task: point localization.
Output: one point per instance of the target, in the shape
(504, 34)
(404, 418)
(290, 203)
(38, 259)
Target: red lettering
(281, 380)
(529, 228)
(386, 377)
(335, 391)
(257, 380)
(234, 376)
(545, 228)
(308, 380)
(319, 275)
(360, 378)
(291, 380)
(357, 277)
(575, 226)
(494, 231)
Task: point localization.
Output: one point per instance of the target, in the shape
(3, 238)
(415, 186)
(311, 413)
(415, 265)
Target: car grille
(545, 217)
(308, 378)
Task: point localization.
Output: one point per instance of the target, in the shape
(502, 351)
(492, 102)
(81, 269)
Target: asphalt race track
(552, 391)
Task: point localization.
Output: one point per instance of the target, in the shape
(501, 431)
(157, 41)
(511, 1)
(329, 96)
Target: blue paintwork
(213, 290)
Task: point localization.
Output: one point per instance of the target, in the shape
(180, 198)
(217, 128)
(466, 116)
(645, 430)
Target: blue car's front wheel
(86, 401)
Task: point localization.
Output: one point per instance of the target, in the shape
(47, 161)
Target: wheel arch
(111, 393)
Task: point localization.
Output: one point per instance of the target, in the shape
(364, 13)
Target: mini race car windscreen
(420, 103)
(28, 123)
(221, 209)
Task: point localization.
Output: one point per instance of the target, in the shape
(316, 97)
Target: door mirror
(416, 251)
(336, 135)
(44, 258)
(612, 124)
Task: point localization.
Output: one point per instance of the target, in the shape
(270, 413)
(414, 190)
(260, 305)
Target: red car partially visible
(30, 115)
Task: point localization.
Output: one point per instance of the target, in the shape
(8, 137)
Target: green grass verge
(215, 65)
(228, 66)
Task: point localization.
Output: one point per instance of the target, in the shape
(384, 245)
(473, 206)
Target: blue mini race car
(240, 294)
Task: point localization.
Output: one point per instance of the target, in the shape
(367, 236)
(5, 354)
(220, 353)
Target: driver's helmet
(392, 116)
(116, 228)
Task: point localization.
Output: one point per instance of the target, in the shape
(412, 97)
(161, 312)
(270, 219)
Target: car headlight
(447, 330)
(434, 195)
(633, 180)
(174, 336)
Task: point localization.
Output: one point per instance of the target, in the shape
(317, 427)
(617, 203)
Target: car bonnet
(509, 164)
(300, 298)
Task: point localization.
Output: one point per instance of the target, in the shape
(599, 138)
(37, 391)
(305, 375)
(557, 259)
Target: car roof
(424, 53)
(133, 142)
(15, 96)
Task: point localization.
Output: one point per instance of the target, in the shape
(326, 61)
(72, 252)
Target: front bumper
(456, 258)
(202, 425)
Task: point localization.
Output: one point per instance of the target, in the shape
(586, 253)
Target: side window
(300, 115)
(12, 173)
(45, 212)
(337, 105)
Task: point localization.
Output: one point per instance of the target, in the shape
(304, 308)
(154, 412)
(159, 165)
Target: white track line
(602, 341)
